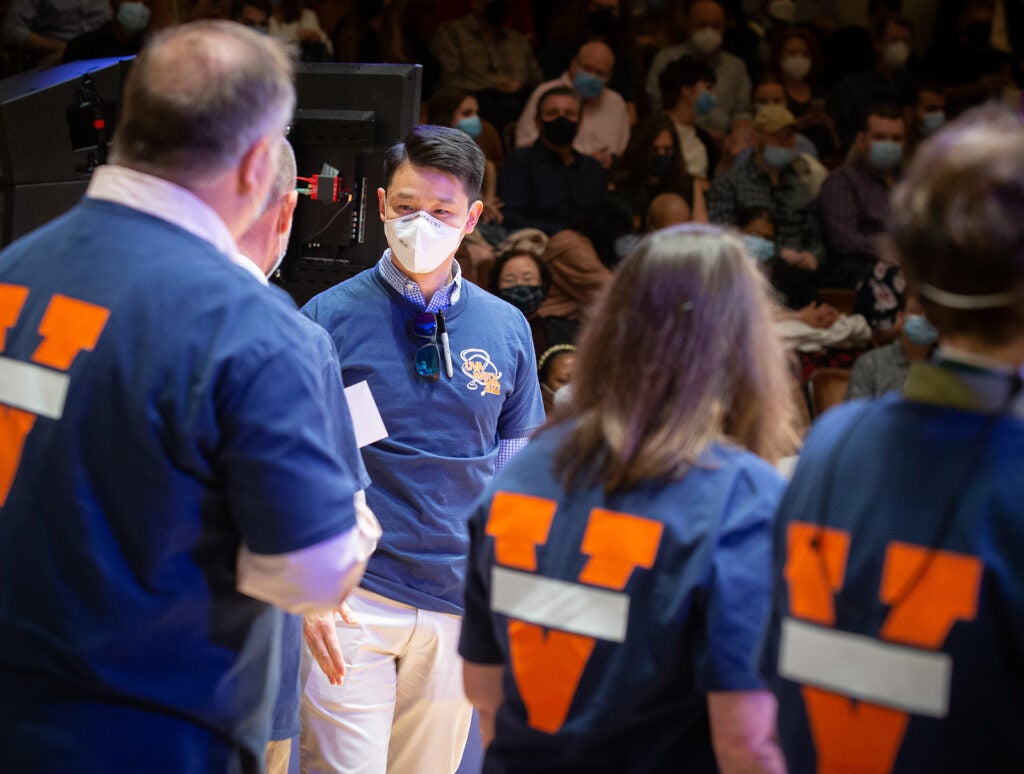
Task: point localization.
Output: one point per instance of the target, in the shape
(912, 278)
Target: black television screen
(346, 117)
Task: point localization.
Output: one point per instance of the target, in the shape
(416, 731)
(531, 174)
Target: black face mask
(661, 165)
(496, 11)
(560, 132)
(601, 23)
(526, 298)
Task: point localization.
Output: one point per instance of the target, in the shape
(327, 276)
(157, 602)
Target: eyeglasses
(428, 357)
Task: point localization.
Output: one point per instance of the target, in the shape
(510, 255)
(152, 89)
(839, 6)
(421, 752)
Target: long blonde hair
(680, 352)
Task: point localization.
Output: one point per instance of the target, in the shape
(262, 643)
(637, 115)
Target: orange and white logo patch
(481, 370)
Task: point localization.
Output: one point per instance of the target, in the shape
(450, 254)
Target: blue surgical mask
(589, 86)
(705, 103)
(932, 121)
(761, 249)
(778, 157)
(885, 154)
(471, 126)
(132, 17)
(919, 330)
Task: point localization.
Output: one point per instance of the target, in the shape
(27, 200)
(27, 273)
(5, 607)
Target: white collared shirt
(250, 266)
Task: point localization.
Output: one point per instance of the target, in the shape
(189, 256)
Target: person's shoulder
(758, 473)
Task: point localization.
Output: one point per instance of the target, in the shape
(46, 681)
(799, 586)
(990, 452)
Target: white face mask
(796, 66)
(421, 243)
(706, 40)
(895, 54)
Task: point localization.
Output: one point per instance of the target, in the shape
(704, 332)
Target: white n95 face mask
(421, 243)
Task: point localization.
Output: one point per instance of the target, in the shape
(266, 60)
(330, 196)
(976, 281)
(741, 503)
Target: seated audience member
(854, 199)
(924, 113)
(252, 13)
(796, 59)
(885, 369)
(883, 84)
(554, 369)
(731, 84)
(580, 257)
(545, 185)
(38, 31)
(604, 124)
(740, 144)
(479, 54)
(798, 296)
(633, 493)
(653, 164)
(686, 85)
(123, 35)
(962, 56)
(292, 22)
(897, 603)
(460, 109)
(668, 209)
(580, 21)
(767, 179)
(520, 277)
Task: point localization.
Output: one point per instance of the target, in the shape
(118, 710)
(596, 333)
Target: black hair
(558, 91)
(602, 223)
(685, 71)
(499, 263)
(748, 215)
(439, 147)
(442, 106)
(888, 111)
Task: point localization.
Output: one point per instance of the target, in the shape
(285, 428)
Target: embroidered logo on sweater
(482, 372)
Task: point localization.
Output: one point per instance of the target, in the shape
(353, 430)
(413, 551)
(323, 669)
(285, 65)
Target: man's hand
(492, 211)
(321, 636)
(799, 259)
(818, 315)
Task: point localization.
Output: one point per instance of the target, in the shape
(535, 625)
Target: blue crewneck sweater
(442, 437)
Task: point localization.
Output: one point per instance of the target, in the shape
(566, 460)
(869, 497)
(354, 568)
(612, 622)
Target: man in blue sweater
(452, 370)
(168, 460)
(898, 624)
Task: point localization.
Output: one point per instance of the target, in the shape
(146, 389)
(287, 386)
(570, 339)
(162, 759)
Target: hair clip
(685, 306)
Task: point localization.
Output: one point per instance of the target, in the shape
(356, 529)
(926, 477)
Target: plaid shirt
(854, 203)
(789, 202)
(442, 299)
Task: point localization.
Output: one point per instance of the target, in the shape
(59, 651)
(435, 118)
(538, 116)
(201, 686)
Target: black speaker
(55, 126)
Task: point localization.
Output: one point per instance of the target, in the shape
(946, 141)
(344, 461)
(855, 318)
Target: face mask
(589, 86)
(705, 103)
(895, 54)
(782, 10)
(885, 154)
(661, 165)
(706, 40)
(421, 243)
(624, 244)
(777, 157)
(132, 18)
(759, 248)
(560, 132)
(495, 12)
(919, 330)
(525, 298)
(472, 126)
(932, 121)
(796, 66)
